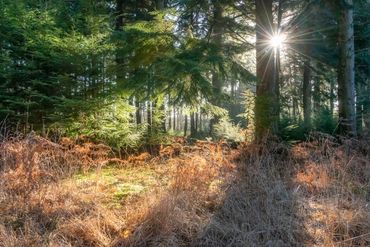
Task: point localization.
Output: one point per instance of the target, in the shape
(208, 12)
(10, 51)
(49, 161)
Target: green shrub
(229, 131)
(290, 130)
(112, 125)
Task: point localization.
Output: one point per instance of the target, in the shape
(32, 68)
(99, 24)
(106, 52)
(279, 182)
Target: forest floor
(73, 194)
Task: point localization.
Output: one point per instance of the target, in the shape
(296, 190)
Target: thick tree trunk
(278, 62)
(346, 71)
(307, 94)
(266, 116)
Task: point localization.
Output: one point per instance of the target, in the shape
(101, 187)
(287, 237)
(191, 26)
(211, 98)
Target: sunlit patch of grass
(126, 190)
(116, 184)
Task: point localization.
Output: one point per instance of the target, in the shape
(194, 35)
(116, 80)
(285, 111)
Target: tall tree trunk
(307, 94)
(346, 71)
(216, 78)
(265, 107)
(186, 125)
(197, 121)
(138, 111)
(150, 117)
(193, 128)
(162, 109)
(200, 124)
(278, 62)
(295, 110)
(174, 125)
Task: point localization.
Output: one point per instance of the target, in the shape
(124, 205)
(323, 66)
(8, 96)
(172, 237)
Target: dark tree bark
(346, 70)
(138, 112)
(193, 128)
(266, 115)
(307, 94)
(186, 125)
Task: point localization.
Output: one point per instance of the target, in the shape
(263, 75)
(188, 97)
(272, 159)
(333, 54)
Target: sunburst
(277, 40)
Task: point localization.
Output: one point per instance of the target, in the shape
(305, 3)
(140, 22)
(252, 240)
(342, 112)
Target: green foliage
(290, 130)
(112, 125)
(215, 111)
(325, 122)
(227, 130)
(50, 71)
(62, 62)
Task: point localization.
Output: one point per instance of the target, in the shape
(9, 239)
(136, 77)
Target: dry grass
(68, 194)
(333, 186)
(314, 194)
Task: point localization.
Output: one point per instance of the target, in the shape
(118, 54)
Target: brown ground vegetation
(75, 194)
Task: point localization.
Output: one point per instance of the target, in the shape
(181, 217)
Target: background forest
(126, 71)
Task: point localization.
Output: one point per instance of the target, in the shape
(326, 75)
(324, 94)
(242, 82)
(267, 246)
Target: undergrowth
(74, 193)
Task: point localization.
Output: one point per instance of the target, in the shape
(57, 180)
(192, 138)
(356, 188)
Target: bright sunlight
(277, 40)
